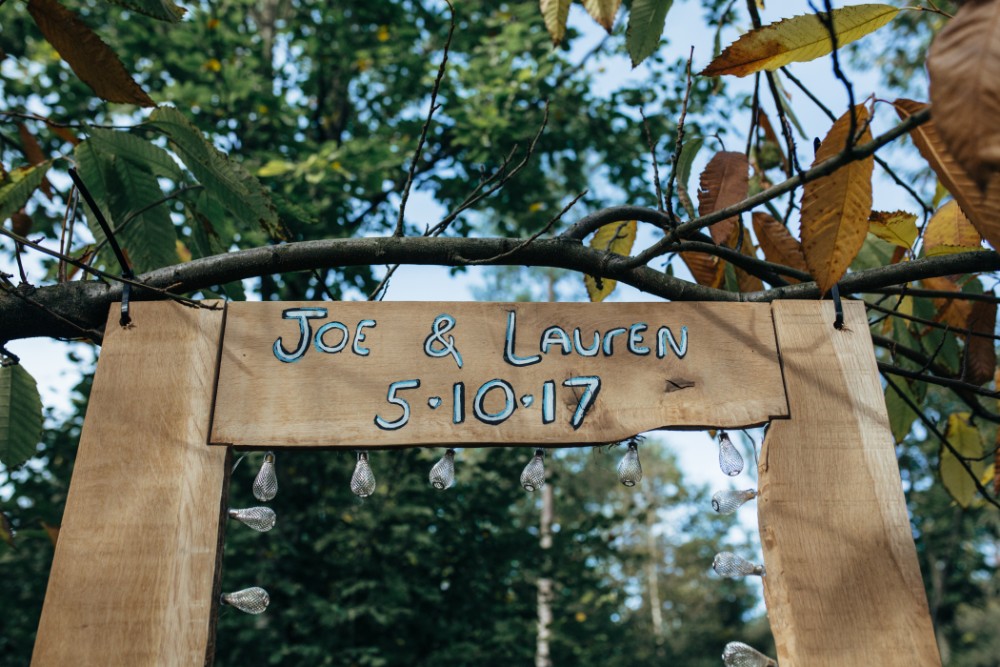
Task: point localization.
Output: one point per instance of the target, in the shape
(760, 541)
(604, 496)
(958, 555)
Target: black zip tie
(127, 272)
(838, 307)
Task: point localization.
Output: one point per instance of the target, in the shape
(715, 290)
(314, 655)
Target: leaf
(980, 361)
(646, 20)
(234, 186)
(798, 39)
(7, 531)
(954, 312)
(32, 150)
(745, 281)
(93, 168)
(982, 211)
(18, 188)
(603, 11)
(778, 244)
(20, 416)
(964, 67)
(835, 208)
(164, 10)
(617, 238)
(51, 531)
(89, 57)
(949, 231)
(968, 443)
(555, 13)
(706, 269)
(898, 228)
(724, 182)
(143, 227)
(137, 151)
(901, 415)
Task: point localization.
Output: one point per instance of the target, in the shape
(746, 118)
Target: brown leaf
(964, 66)
(603, 11)
(21, 223)
(961, 186)
(778, 244)
(835, 208)
(63, 133)
(51, 531)
(980, 361)
(33, 153)
(89, 57)
(725, 181)
(950, 231)
(747, 282)
(706, 269)
(953, 312)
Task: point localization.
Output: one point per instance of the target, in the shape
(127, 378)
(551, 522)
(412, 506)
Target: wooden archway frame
(135, 577)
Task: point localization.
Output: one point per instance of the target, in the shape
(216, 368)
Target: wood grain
(729, 375)
(843, 585)
(133, 574)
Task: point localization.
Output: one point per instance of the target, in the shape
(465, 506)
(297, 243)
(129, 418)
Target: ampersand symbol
(442, 325)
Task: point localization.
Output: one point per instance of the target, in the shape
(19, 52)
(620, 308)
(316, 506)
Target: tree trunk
(543, 657)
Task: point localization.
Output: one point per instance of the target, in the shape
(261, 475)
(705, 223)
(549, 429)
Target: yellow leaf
(603, 11)
(964, 67)
(778, 244)
(89, 57)
(383, 33)
(535, 207)
(275, 168)
(798, 39)
(725, 181)
(182, 252)
(949, 231)
(982, 209)
(213, 65)
(835, 208)
(555, 13)
(617, 238)
(898, 228)
(968, 443)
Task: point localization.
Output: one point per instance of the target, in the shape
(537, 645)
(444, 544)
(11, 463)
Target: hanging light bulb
(443, 473)
(363, 479)
(533, 475)
(730, 565)
(730, 459)
(727, 502)
(260, 519)
(249, 600)
(738, 654)
(629, 468)
(265, 486)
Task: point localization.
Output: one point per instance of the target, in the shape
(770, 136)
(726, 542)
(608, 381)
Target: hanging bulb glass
(730, 459)
(443, 473)
(249, 600)
(265, 486)
(738, 654)
(727, 502)
(533, 475)
(363, 479)
(629, 468)
(730, 565)
(261, 519)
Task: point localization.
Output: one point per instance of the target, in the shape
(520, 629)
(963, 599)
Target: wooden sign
(326, 374)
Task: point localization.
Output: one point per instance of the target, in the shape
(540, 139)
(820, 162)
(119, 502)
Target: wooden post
(133, 581)
(843, 586)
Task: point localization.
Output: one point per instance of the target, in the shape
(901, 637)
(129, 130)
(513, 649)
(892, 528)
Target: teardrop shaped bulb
(261, 519)
(533, 475)
(738, 654)
(265, 486)
(727, 502)
(629, 468)
(363, 479)
(730, 565)
(443, 473)
(249, 600)
(730, 460)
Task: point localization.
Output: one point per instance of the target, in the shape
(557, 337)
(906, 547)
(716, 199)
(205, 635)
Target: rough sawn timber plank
(843, 586)
(133, 577)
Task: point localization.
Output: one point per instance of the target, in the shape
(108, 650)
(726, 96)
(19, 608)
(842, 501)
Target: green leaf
(617, 238)
(91, 164)
(968, 443)
(689, 151)
(18, 188)
(645, 26)
(234, 186)
(20, 416)
(901, 416)
(555, 13)
(144, 228)
(164, 10)
(137, 151)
